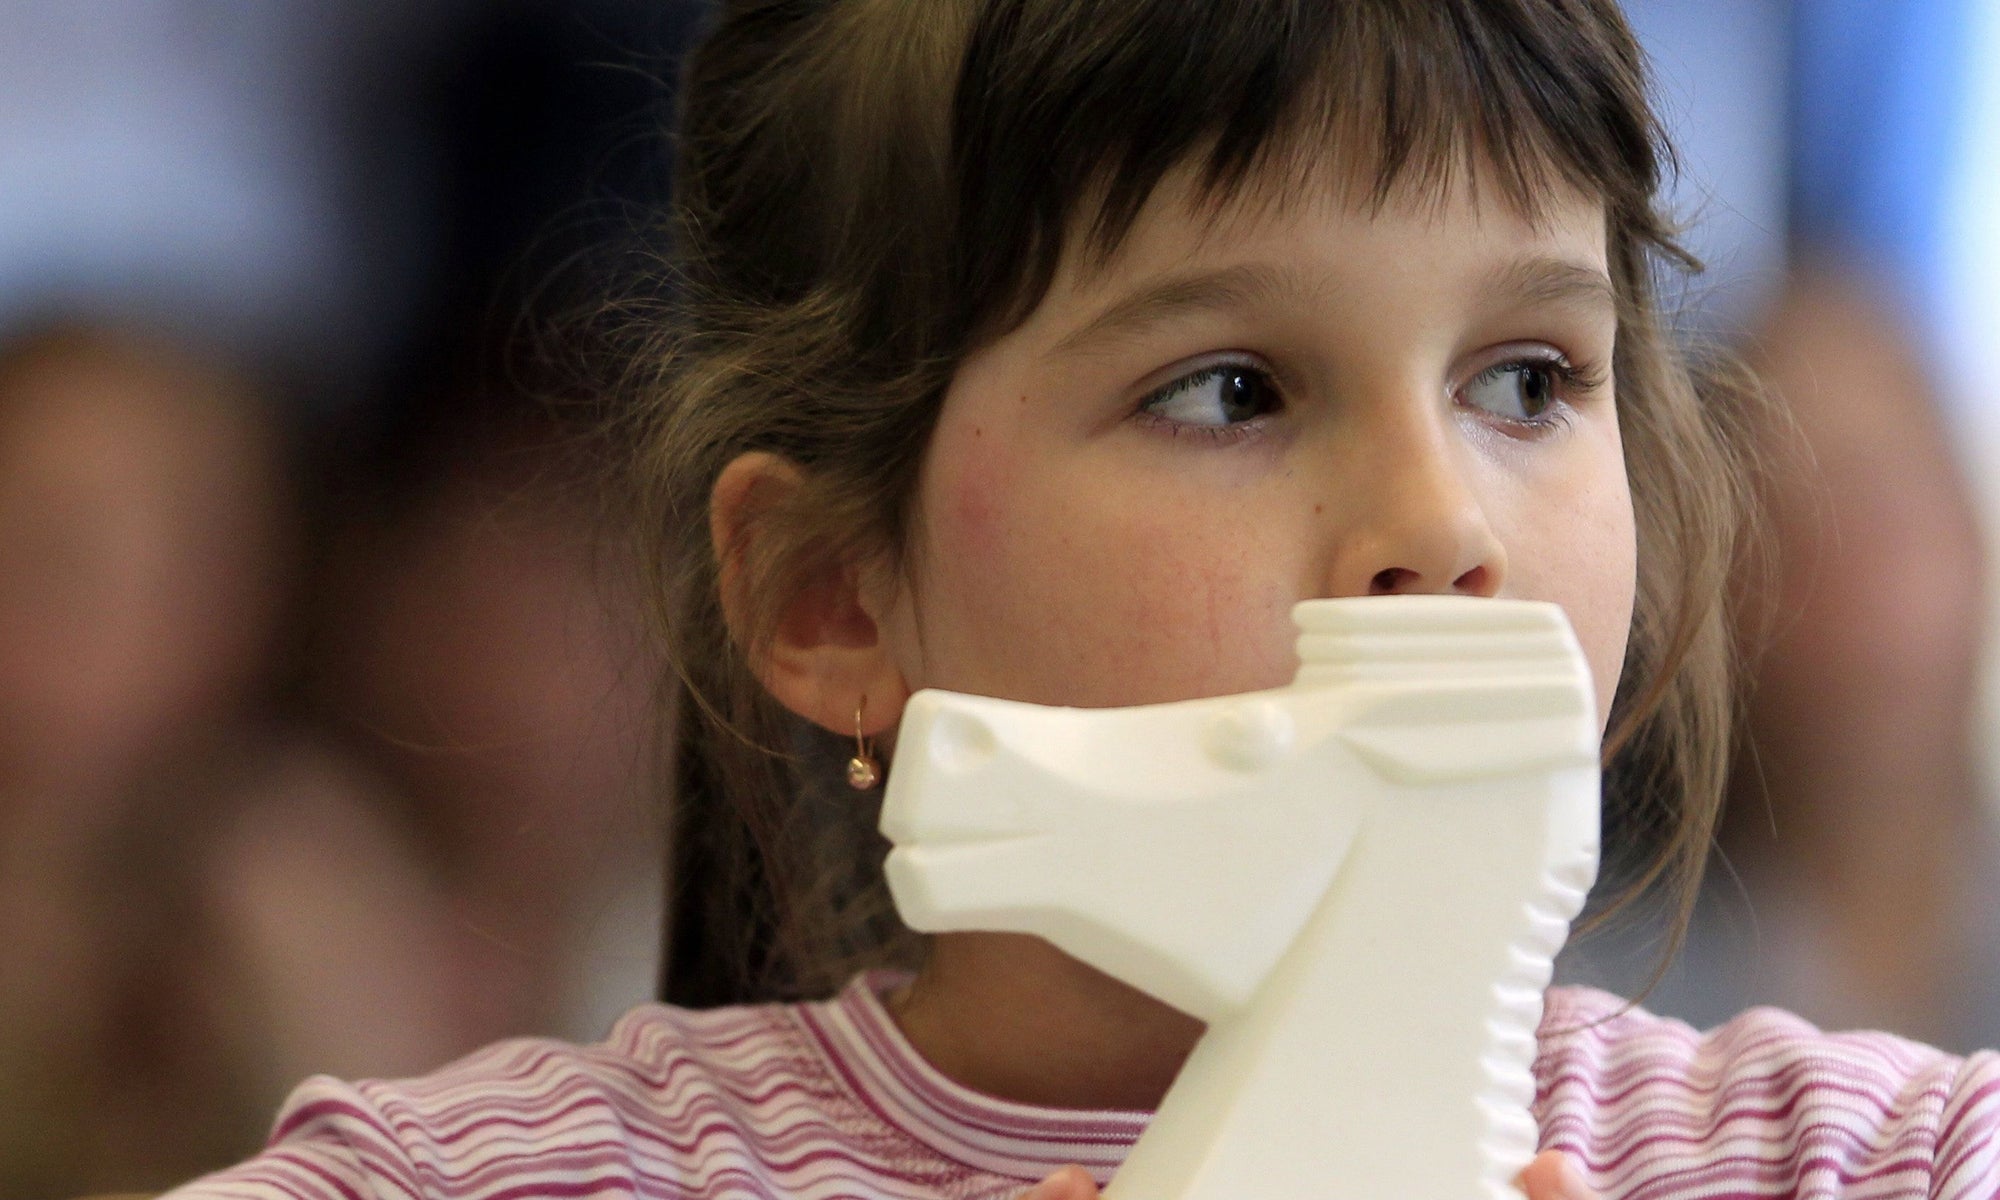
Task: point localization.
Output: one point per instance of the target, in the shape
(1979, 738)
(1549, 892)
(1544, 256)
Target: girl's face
(1125, 496)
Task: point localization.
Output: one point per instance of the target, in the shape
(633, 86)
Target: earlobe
(822, 653)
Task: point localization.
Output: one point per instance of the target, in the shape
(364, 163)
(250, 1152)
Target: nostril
(1392, 580)
(1476, 582)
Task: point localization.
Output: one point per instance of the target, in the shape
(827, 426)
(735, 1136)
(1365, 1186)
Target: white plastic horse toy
(1359, 882)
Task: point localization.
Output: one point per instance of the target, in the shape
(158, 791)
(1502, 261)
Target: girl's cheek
(1157, 605)
(1059, 574)
(975, 510)
(1588, 565)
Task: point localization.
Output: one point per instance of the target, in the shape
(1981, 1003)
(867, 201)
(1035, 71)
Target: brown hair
(869, 189)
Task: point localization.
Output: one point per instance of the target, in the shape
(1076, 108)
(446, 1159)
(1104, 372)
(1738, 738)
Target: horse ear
(825, 657)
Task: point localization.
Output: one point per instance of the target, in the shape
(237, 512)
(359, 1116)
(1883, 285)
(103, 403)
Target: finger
(1554, 1175)
(1068, 1183)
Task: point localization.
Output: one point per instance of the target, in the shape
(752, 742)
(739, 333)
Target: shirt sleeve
(1765, 1105)
(330, 1143)
(1968, 1162)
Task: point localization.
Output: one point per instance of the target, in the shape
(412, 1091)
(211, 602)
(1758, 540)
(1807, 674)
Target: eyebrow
(1181, 295)
(1544, 280)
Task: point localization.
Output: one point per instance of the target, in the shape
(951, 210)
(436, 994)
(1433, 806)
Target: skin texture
(1086, 538)
(1072, 550)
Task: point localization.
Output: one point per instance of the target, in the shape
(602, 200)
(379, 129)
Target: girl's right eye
(1215, 397)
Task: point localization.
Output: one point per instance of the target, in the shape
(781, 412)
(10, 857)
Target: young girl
(1052, 351)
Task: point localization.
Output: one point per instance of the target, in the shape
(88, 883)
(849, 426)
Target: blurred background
(324, 728)
(1840, 176)
(325, 725)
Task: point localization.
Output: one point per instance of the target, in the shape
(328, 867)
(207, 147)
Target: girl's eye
(1523, 391)
(1214, 397)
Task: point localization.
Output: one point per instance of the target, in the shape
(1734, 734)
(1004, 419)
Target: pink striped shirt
(817, 1101)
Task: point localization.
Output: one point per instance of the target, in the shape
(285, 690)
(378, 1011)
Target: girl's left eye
(1523, 391)
(1215, 397)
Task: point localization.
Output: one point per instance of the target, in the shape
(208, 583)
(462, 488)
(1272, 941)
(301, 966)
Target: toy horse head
(1359, 881)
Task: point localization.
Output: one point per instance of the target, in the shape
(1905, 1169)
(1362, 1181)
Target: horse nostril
(962, 742)
(1250, 736)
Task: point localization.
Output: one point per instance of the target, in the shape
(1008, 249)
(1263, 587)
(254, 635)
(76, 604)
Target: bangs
(1068, 116)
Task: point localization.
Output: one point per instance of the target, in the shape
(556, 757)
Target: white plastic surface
(1359, 882)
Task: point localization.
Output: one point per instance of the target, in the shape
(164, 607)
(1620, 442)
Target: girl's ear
(827, 658)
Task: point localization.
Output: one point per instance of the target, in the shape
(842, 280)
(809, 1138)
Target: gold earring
(863, 772)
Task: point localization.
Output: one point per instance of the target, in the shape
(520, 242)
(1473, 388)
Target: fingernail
(1063, 1182)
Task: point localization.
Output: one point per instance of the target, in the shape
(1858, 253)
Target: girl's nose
(1414, 521)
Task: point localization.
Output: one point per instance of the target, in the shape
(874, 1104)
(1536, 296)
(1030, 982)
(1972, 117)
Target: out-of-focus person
(476, 648)
(143, 554)
(1856, 811)
(228, 858)
(205, 895)
(1855, 814)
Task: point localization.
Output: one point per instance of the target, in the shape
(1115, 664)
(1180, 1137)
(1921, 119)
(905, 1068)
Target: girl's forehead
(1285, 210)
(1413, 272)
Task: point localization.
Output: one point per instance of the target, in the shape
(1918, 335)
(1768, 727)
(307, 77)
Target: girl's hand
(1551, 1176)
(1554, 1175)
(1068, 1183)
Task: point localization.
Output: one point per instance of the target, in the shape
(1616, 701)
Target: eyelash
(1572, 380)
(1226, 433)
